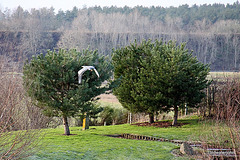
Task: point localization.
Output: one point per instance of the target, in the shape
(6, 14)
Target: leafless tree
(225, 132)
(14, 115)
(106, 31)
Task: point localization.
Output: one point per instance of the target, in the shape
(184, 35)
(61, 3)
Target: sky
(69, 4)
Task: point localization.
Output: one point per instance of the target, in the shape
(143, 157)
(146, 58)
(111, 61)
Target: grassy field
(92, 144)
(224, 75)
(109, 100)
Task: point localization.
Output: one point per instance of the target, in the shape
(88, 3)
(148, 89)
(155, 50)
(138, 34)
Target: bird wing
(84, 69)
(88, 67)
(80, 73)
(79, 78)
(96, 72)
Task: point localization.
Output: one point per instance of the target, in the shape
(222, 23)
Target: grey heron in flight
(84, 69)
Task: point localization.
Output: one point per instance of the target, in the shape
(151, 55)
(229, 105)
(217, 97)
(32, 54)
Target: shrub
(226, 131)
(112, 116)
(13, 116)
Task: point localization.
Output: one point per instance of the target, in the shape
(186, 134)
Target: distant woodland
(212, 32)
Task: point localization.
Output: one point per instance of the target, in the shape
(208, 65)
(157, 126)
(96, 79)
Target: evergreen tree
(52, 81)
(138, 68)
(157, 77)
(184, 78)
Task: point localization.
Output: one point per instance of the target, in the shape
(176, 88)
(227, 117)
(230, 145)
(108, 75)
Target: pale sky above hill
(69, 4)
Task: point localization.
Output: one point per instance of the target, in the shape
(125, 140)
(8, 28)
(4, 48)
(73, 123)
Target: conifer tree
(157, 77)
(52, 82)
(185, 78)
(140, 88)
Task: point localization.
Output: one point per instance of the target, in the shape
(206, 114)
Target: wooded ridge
(210, 31)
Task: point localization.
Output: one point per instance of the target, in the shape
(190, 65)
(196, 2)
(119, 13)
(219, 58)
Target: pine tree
(140, 88)
(157, 77)
(52, 82)
(185, 78)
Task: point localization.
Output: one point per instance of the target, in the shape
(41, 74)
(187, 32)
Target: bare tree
(236, 45)
(106, 31)
(20, 144)
(225, 132)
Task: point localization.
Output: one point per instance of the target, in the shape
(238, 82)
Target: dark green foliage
(52, 81)
(139, 67)
(189, 14)
(158, 76)
(65, 18)
(185, 78)
(92, 115)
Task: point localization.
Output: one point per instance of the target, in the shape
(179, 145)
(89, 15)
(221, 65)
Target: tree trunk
(186, 109)
(151, 118)
(130, 118)
(87, 122)
(66, 127)
(175, 117)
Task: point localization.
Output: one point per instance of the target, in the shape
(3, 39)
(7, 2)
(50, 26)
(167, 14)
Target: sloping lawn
(92, 144)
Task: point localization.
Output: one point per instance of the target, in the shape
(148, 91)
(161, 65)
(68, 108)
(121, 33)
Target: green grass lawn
(92, 144)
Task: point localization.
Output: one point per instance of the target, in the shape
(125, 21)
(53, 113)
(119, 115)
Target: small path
(150, 138)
